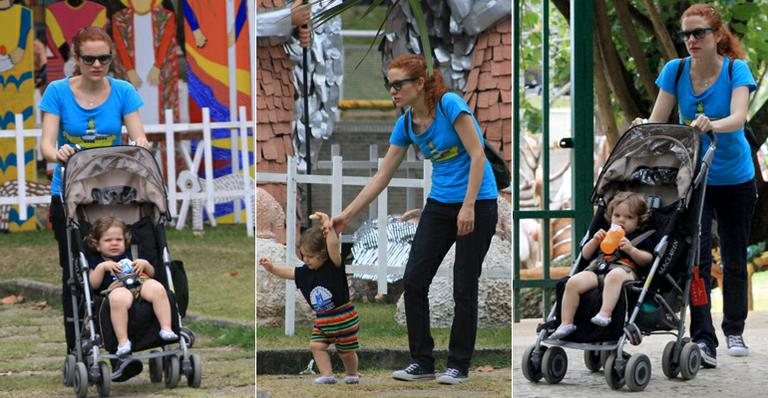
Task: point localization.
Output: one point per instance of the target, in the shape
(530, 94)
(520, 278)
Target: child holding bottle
(618, 260)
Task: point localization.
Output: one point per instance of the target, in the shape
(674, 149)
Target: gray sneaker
(708, 356)
(452, 376)
(413, 372)
(736, 346)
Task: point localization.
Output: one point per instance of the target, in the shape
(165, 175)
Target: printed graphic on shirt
(437, 155)
(92, 138)
(321, 299)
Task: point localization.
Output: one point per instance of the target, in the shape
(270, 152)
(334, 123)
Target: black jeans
(59, 222)
(434, 236)
(732, 206)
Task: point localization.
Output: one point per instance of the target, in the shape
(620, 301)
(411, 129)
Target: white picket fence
(208, 194)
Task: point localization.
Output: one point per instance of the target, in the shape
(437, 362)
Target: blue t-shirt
(732, 163)
(442, 145)
(89, 128)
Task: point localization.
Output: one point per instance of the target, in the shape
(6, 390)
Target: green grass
(226, 335)
(219, 265)
(378, 329)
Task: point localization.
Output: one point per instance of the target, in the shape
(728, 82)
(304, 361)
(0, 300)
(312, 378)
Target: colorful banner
(208, 38)
(17, 86)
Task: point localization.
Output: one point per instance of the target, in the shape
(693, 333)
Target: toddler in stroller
(628, 214)
(109, 237)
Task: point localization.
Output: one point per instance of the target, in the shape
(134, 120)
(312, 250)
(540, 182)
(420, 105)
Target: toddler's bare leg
(120, 300)
(574, 288)
(322, 358)
(349, 358)
(613, 282)
(154, 292)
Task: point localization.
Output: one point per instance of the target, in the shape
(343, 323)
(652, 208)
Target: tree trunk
(665, 42)
(613, 69)
(564, 6)
(759, 230)
(604, 109)
(635, 49)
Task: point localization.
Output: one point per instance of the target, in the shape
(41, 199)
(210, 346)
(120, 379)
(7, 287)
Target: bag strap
(681, 66)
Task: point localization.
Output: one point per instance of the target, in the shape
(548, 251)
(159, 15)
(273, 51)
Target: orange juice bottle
(612, 238)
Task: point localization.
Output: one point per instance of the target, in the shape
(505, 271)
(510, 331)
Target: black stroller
(122, 181)
(662, 162)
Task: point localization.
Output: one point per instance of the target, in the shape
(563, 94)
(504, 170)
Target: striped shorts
(338, 326)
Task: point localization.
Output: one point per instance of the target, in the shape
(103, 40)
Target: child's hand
(140, 265)
(110, 266)
(319, 216)
(599, 235)
(625, 245)
(264, 262)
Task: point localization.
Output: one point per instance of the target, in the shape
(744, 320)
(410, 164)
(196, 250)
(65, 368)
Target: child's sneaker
(325, 380)
(352, 379)
(413, 372)
(562, 331)
(453, 376)
(600, 320)
(124, 349)
(168, 335)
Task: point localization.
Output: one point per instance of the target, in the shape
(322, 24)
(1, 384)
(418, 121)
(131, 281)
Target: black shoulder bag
(500, 168)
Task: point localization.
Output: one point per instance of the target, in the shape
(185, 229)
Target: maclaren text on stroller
(663, 162)
(125, 182)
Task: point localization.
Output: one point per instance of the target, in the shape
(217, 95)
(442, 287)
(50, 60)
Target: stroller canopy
(123, 176)
(653, 159)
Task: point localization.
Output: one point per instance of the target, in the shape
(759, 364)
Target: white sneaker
(600, 320)
(562, 331)
(352, 379)
(168, 335)
(736, 346)
(325, 380)
(452, 376)
(124, 349)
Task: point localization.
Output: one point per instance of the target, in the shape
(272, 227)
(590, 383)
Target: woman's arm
(50, 131)
(135, 129)
(662, 108)
(739, 105)
(392, 160)
(465, 128)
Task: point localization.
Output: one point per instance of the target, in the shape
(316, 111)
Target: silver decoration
(365, 250)
(325, 69)
(464, 20)
(274, 23)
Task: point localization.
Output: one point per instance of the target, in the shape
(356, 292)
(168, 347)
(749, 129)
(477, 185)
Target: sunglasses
(698, 34)
(91, 59)
(398, 84)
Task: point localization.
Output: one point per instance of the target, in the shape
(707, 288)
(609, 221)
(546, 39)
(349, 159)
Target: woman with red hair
(711, 89)
(461, 208)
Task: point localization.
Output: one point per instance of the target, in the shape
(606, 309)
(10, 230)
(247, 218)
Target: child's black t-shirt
(324, 288)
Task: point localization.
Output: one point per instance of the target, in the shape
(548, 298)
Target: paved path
(734, 377)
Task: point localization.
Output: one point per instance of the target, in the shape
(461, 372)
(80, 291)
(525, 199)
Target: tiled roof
(489, 85)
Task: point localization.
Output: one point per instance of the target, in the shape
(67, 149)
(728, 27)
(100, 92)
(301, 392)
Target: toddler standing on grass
(322, 280)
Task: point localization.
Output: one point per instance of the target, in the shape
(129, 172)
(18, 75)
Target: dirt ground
(32, 347)
(380, 384)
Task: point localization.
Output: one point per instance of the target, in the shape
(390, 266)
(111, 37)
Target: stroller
(123, 181)
(660, 161)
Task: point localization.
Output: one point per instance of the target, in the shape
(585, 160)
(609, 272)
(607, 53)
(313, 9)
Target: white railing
(208, 195)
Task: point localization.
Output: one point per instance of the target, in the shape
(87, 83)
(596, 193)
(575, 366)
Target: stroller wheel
(633, 334)
(104, 384)
(592, 360)
(671, 369)
(69, 370)
(614, 377)
(690, 361)
(554, 364)
(171, 371)
(196, 370)
(81, 380)
(532, 366)
(638, 372)
(155, 368)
